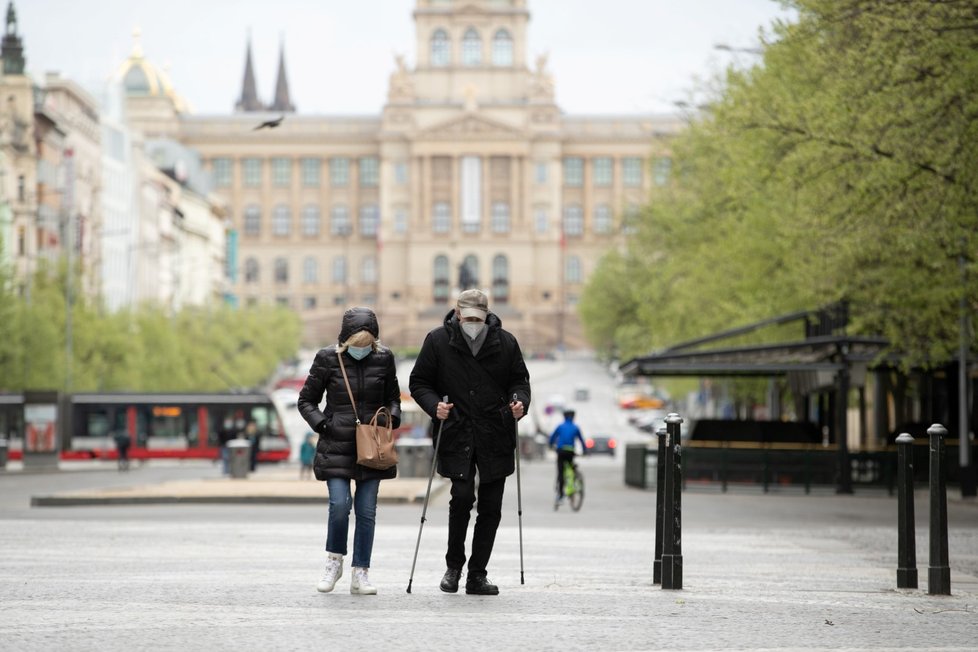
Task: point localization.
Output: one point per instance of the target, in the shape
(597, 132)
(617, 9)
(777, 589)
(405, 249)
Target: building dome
(139, 77)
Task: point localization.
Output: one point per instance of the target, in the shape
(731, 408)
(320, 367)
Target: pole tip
(938, 430)
(904, 438)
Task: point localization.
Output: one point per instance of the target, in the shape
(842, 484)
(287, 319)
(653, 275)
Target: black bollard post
(906, 541)
(660, 475)
(672, 543)
(939, 572)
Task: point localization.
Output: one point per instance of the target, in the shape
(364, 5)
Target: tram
(158, 425)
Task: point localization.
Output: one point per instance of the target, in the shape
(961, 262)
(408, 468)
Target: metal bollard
(939, 572)
(660, 475)
(672, 540)
(906, 541)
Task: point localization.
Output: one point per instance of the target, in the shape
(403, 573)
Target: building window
(368, 269)
(281, 220)
(441, 47)
(541, 220)
(603, 172)
(400, 173)
(471, 194)
(441, 221)
(310, 220)
(311, 169)
(440, 289)
(662, 170)
(222, 172)
(339, 172)
(574, 171)
(281, 270)
(281, 172)
(500, 217)
(310, 270)
(630, 219)
(400, 221)
(251, 271)
(309, 303)
(469, 272)
(251, 171)
(339, 269)
(631, 172)
(572, 270)
(471, 48)
(573, 220)
(339, 220)
(540, 173)
(252, 220)
(369, 219)
(500, 279)
(369, 172)
(502, 48)
(602, 219)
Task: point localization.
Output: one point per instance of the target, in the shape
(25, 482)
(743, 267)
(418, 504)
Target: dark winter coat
(481, 388)
(373, 381)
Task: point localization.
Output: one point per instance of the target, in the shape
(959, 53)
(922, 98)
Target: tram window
(96, 424)
(168, 421)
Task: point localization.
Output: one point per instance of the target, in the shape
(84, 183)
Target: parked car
(601, 444)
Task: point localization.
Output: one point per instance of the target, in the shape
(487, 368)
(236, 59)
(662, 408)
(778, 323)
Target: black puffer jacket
(481, 388)
(373, 381)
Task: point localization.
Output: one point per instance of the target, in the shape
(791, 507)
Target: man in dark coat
(480, 368)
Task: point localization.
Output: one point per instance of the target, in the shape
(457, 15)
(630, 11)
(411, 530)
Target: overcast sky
(607, 56)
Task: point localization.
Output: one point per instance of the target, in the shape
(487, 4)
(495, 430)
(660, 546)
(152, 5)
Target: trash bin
(239, 457)
(4, 447)
(414, 457)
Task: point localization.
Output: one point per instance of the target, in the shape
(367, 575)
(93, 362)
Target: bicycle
(573, 487)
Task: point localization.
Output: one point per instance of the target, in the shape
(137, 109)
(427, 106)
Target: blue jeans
(365, 504)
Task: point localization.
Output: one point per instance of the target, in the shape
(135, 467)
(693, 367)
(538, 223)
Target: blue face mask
(359, 352)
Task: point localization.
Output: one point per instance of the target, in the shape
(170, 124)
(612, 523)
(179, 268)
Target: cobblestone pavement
(760, 572)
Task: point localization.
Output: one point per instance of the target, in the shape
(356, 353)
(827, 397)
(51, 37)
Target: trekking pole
(424, 510)
(519, 491)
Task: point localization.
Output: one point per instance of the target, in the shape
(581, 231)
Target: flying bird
(270, 124)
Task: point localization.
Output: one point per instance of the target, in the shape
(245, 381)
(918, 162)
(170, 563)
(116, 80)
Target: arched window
(281, 220)
(573, 220)
(369, 219)
(440, 280)
(368, 269)
(471, 48)
(281, 270)
(251, 270)
(310, 270)
(500, 279)
(441, 46)
(502, 48)
(252, 220)
(500, 217)
(602, 219)
(469, 272)
(310, 220)
(339, 269)
(339, 220)
(441, 221)
(572, 270)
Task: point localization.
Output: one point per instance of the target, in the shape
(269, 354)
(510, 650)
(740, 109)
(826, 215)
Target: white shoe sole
(363, 590)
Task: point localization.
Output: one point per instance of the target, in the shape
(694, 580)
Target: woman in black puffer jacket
(373, 380)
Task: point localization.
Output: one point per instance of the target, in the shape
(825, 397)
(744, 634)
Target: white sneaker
(333, 572)
(360, 584)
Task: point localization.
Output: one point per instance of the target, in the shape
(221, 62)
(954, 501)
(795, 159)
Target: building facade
(470, 176)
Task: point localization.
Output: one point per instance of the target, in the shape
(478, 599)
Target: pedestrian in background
(480, 367)
(373, 382)
(122, 443)
(307, 453)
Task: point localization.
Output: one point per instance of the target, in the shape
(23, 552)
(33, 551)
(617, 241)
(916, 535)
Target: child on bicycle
(563, 439)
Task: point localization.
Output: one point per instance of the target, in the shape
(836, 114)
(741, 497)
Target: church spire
(249, 95)
(12, 50)
(282, 101)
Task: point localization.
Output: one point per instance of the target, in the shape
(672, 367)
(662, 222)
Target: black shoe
(479, 585)
(449, 581)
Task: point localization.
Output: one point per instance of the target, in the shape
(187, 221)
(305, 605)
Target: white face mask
(473, 328)
(359, 352)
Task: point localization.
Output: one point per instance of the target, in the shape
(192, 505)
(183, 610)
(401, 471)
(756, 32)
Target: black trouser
(562, 456)
(489, 513)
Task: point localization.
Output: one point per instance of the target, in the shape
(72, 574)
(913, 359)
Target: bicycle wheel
(577, 498)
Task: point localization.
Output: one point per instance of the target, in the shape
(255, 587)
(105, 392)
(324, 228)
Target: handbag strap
(353, 403)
